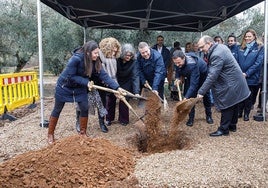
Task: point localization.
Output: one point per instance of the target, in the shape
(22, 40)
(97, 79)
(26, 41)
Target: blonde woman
(110, 49)
(250, 59)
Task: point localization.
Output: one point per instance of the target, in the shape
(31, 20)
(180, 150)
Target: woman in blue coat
(72, 85)
(250, 59)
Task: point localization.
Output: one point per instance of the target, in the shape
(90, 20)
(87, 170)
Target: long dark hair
(87, 48)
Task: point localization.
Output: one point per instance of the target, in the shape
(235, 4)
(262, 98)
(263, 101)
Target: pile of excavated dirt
(74, 161)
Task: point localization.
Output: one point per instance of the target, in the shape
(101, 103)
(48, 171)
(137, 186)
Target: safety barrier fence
(17, 90)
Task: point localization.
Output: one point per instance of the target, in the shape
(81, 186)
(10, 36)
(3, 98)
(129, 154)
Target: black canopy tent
(167, 15)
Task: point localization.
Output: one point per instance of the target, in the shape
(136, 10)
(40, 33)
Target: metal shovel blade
(183, 108)
(186, 105)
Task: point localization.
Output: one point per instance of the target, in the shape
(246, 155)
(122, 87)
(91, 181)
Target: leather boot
(232, 128)
(190, 122)
(102, 125)
(246, 117)
(209, 120)
(83, 126)
(240, 113)
(51, 127)
(77, 124)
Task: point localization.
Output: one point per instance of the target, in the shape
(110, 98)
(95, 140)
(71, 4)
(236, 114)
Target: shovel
(179, 91)
(130, 107)
(187, 104)
(183, 108)
(122, 98)
(163, 101)
(141, 103)
(127, 94)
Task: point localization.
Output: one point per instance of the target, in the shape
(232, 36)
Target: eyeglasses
(201, 47)
(128, 55)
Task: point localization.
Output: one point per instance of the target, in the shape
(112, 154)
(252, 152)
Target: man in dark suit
(193, 70)
(162, 49)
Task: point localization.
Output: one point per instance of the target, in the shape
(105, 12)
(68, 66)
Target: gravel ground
(237, 160)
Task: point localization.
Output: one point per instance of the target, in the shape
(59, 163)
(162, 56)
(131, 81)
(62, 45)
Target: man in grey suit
(226, 80)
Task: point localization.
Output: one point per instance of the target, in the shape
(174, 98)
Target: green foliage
(18, 28)
(60, 36)
(55, 66)
(225, 28)
(251, 18)
(255, 19)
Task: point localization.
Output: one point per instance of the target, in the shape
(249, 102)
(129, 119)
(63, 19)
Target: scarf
(94, 101)
(249, 45)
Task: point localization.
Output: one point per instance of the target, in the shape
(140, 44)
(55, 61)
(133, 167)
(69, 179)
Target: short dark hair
(232, 35)
(160, 36)
(176, 44)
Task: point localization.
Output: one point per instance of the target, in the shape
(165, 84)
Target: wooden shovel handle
(130, 107)
(105, 89)
(128, 94)
(179, 91)
(150, 88)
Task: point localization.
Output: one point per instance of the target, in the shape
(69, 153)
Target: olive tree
(18, 28)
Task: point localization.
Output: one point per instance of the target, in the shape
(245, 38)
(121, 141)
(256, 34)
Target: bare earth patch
(189, 159)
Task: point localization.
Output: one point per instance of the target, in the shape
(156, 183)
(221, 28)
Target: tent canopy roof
(167, 15)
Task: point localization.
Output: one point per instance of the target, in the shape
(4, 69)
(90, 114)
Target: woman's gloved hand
(121, 93)
(90, 85)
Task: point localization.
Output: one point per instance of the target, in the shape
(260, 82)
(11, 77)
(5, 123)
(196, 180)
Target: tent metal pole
(264, 92)
(85, 35)
(39, 23)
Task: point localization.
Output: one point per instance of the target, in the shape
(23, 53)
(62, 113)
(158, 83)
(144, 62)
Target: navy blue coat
(128, 75)
(153, 69)
(252, 63)
(72, 83)
(165, 54)
(195, 71)
(234, 49)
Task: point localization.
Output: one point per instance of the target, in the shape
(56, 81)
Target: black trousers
(110, 106)
(206, 98)
(250, 101)
(58, 106)
(207, 106)
(229, 118)
(123, 110)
